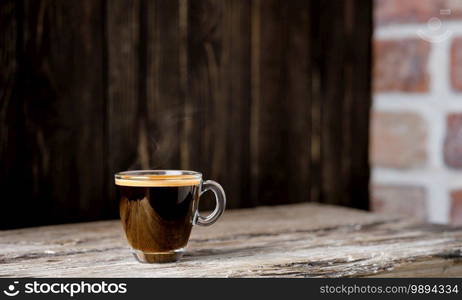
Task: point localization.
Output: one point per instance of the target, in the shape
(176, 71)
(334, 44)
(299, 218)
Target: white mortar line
(447, 103)
(397, 31)
(439, 69)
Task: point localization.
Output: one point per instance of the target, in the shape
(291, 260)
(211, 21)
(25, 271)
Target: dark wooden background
(269, 97)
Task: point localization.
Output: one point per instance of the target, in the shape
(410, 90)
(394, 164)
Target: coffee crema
(142, 178)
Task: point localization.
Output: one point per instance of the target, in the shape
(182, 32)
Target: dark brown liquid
(157, 219)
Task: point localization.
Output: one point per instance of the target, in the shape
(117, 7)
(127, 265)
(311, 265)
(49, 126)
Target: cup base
(158, 257)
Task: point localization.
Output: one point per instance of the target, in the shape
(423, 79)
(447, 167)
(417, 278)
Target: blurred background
(416, 136)
(354, 103)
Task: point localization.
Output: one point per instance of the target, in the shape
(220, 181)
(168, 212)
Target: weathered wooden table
(304, 240)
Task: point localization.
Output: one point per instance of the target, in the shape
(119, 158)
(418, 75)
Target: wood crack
(38, 255)
(343, 228)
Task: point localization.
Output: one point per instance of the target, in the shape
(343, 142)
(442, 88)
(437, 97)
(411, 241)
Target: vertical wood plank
(316, 115)
(218, 69)
(347, 108)
(282, 69)
(8, 63)
(254, 129)
(64, 42)
(164, 98)
(59, 166)
(360, 61)
(342, 100)
(236, 77)
(88, 92)
(122, 105)
(204, 88)
(271, 183)
(193, 56)
(331, 61)
(10, 22)
(299, 64)
(186, 134)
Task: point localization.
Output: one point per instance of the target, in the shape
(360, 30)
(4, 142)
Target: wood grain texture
(236, 76)
(165, 97)
(270, 98)
(219, 88)
(55, 139)
(338, 100)
(300, 240)
(281, 113)
(359, 102)
(8, 77)
(331, 43)
(123, 120)
(298, 98)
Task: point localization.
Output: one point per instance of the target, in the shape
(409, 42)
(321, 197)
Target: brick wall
(416, 134)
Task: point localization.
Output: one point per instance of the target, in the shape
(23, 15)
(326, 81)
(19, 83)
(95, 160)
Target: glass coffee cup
(158, 209)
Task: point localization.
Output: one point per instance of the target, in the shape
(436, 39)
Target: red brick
(456, 64)
(453, 141)
(401, 65)
(398, 140)
(403, 200)
(456, 207)
(415, 11)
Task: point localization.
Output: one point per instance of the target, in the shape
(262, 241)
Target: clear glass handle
(220, 198)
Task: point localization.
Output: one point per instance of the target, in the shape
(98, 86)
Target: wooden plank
(360, 65)
(254, 128)
(300, 240)
(55, 116)
(9, 36)
(331, 57)
(123, 119)
(316, 115)
(165, 98)
(235, 75)
(298, 98)
(201, 21)
(271, 183)
(258, 95)
(341, 90)
(281, 112)
(219, 88)
(205, 91)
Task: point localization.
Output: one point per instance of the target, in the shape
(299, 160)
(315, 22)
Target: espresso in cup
(158, 209)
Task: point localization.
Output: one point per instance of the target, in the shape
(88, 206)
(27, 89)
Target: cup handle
(220, 199)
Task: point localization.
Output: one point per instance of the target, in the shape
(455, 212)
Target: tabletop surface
(301, 240)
